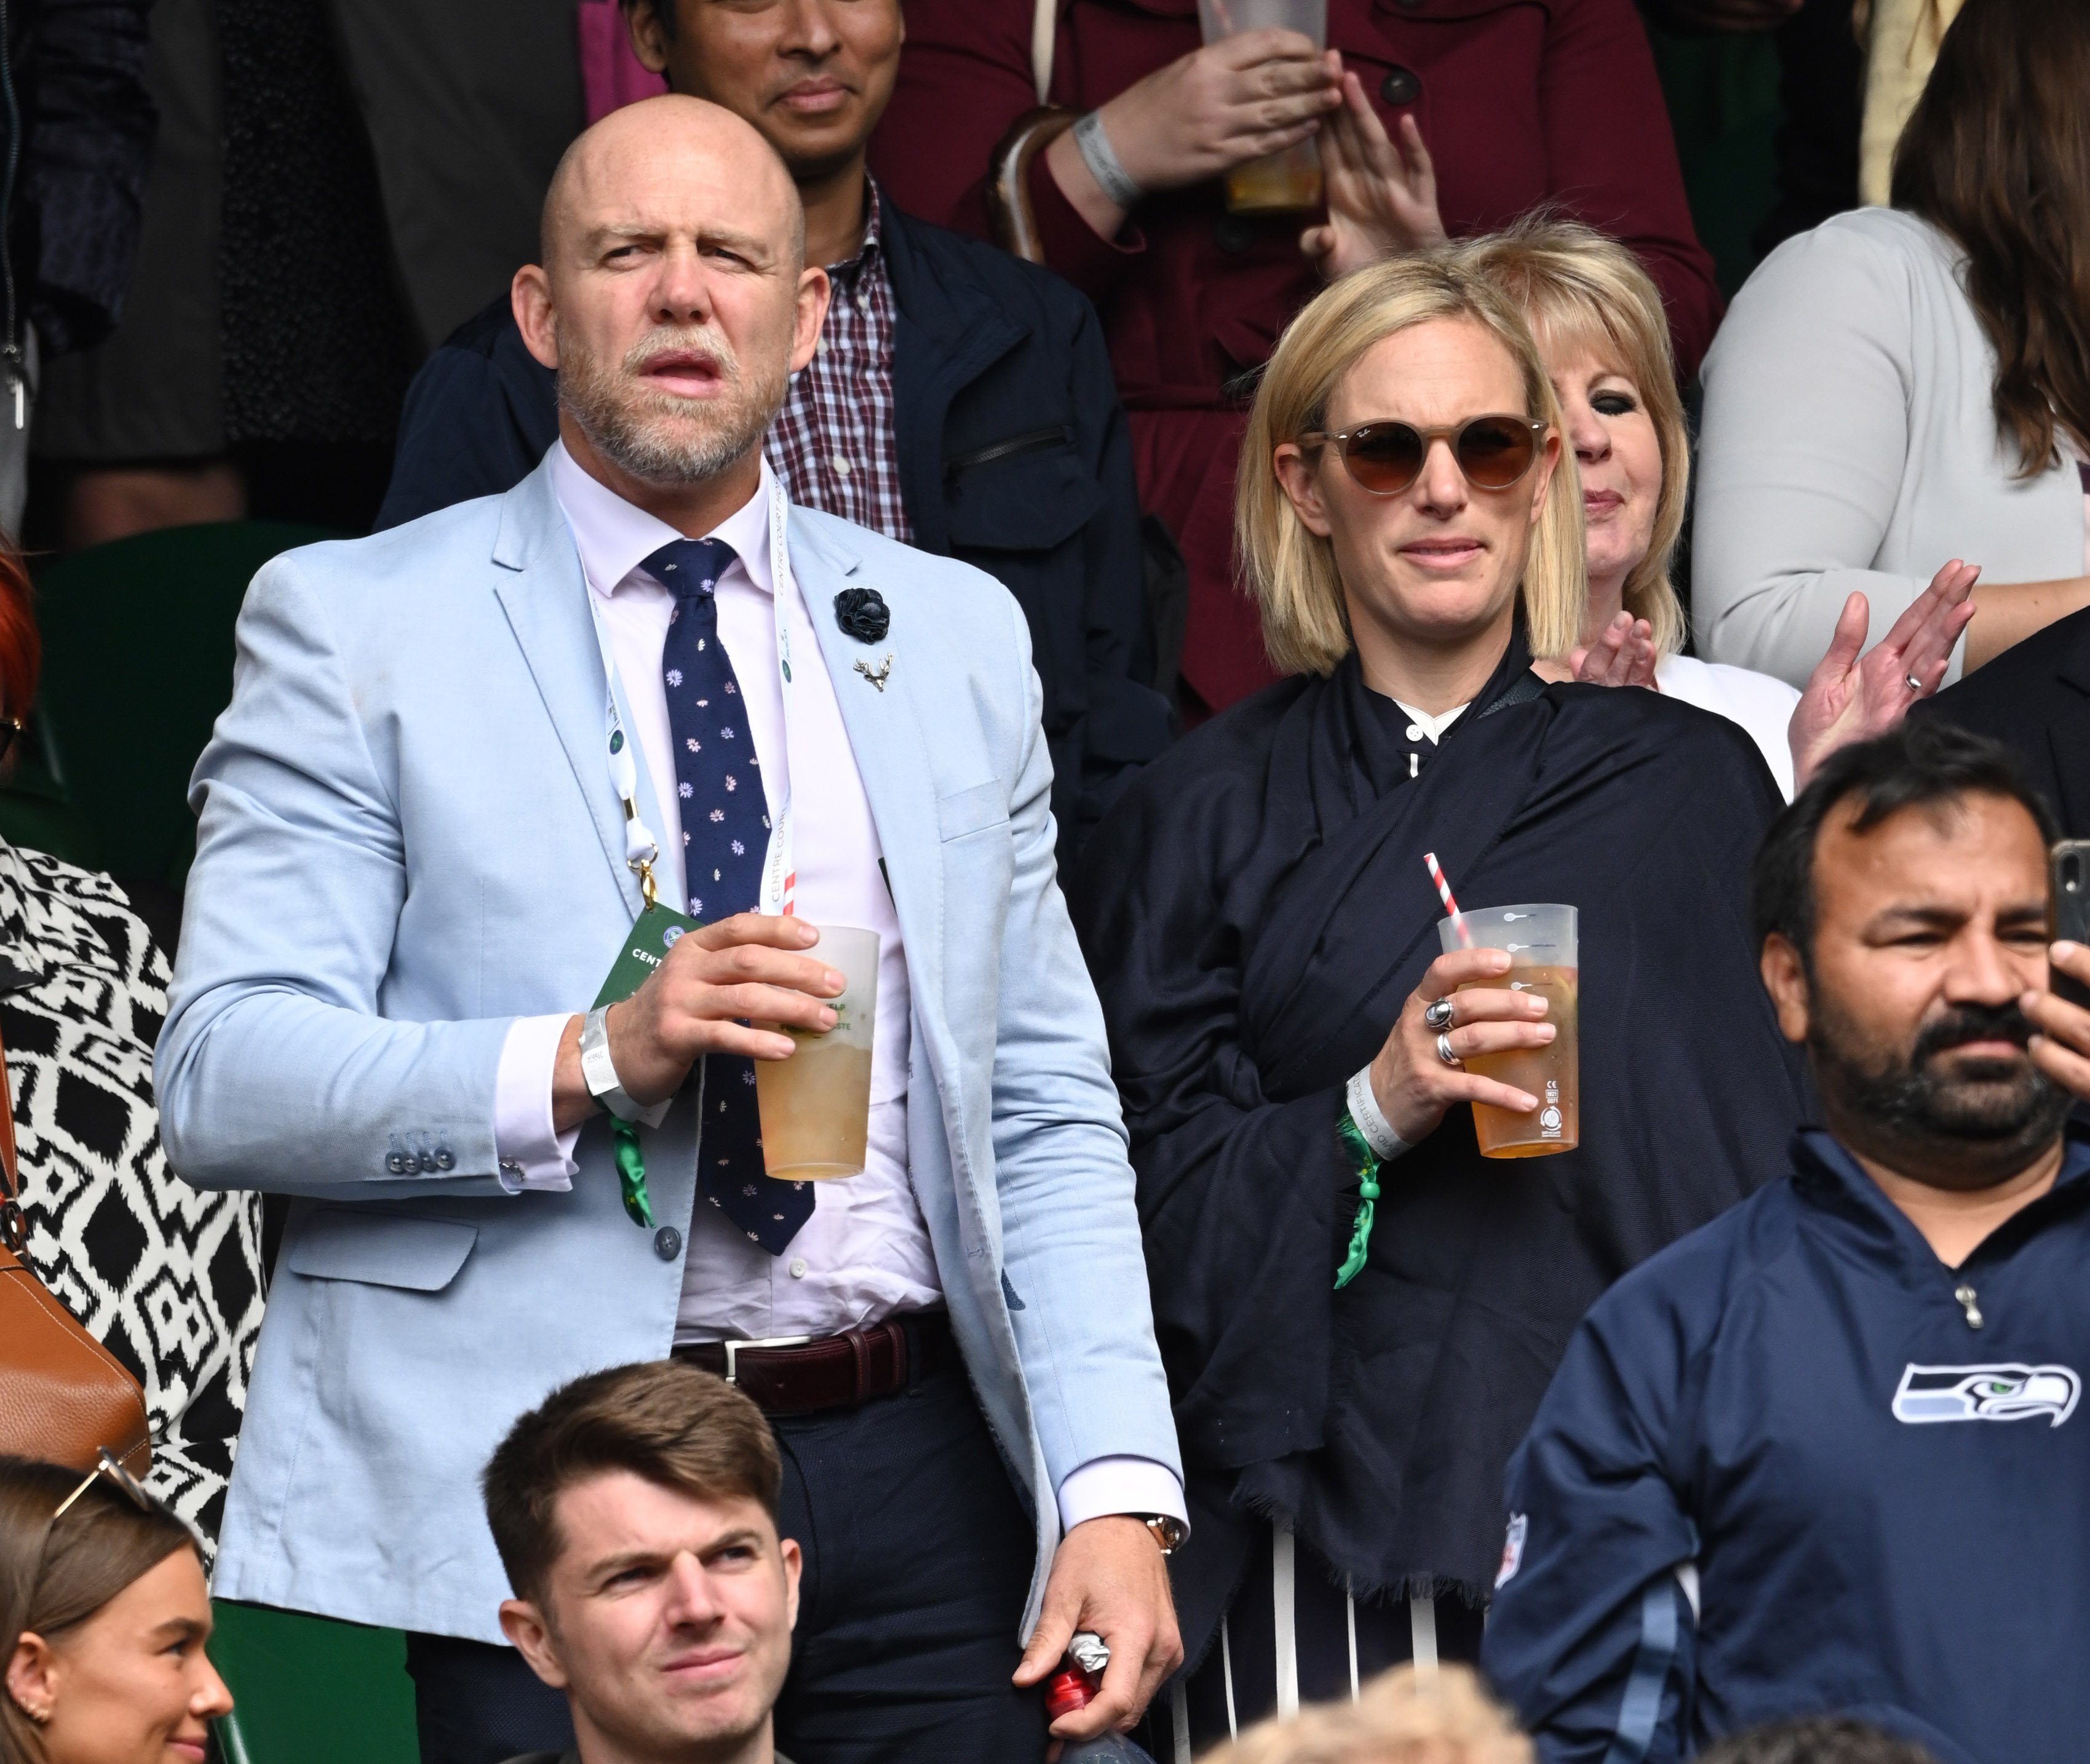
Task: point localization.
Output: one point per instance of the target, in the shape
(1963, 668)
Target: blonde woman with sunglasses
(1359, 1312)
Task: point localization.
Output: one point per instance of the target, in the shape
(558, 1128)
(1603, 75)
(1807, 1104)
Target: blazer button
(1400, 85)
(667, 1243)
(427, 1163)
(445, 1161)
(396, 1164)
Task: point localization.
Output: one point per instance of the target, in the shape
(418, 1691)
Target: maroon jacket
(1520, 102)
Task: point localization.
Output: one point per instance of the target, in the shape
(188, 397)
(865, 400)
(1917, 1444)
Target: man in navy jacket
(991, 431)
(1823, 1454)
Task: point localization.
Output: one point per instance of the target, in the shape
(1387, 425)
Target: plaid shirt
(833, 444)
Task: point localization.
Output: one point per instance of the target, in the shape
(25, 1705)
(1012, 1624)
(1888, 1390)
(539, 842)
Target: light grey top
(1850, 441)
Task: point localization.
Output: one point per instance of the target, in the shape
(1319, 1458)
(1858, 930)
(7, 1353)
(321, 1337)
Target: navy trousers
(918, 1557)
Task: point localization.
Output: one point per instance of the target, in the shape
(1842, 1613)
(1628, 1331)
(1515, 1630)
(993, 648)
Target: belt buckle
(734, 1348)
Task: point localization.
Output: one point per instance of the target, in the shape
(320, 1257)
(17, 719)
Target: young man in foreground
(635, 1511)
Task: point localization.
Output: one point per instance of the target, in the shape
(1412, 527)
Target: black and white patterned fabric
(169, 1277)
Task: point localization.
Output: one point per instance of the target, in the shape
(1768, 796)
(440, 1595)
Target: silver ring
(1444, 1053)
(1436, 1015)
(1915, 684)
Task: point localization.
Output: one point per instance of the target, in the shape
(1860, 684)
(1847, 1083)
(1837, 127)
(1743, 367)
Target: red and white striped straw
(1451, 906)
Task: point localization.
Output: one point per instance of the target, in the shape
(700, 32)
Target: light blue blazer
(408, 837)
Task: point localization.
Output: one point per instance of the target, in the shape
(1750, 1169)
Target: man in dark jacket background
(962, 401)
(1823, 1455)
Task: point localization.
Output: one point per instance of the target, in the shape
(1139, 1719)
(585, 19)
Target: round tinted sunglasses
(1386, 457)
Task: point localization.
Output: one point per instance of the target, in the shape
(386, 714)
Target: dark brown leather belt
(833, 1372)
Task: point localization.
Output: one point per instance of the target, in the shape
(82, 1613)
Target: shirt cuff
(533, 1154)
(1370, 1119)
(1121, 1484)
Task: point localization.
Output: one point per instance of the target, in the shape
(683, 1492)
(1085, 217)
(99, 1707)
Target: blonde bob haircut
(1582, 291)
(1291, 571)
(1404, 1716)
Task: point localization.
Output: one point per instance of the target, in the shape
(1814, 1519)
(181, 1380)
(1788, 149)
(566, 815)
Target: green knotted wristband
(1366, 1163)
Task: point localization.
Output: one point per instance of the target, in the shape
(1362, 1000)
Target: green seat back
(137, 665)
(308, 1690)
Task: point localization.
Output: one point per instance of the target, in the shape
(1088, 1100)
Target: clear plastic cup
(816, 1105)
(1542, 944)
(1285, 182)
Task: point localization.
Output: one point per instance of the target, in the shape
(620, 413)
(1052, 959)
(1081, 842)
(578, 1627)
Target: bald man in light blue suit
(410, 843)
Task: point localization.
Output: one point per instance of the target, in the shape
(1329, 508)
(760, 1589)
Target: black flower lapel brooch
(862, 613)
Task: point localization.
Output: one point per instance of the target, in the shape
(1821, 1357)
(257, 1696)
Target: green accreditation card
(645, 947)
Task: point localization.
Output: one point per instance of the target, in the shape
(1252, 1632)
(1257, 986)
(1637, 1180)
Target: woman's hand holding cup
(1413, 1085)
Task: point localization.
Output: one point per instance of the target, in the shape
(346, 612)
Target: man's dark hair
(669, 1423)
(1921, 763)
(1819, 1739)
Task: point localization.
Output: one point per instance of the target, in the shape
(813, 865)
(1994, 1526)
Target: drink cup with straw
(1541, 941)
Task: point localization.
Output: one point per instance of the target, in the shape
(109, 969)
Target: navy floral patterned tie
(726, 834)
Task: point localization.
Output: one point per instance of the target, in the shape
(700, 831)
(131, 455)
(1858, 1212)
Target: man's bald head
(674, 298)
(607, 167)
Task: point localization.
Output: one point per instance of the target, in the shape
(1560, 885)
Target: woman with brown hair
(103, 1618)
(1904, 385)
(1358, 1311)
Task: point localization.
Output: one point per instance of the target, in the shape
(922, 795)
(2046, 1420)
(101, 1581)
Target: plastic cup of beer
(1542, 944)
(1277, 184)
(816, 1105)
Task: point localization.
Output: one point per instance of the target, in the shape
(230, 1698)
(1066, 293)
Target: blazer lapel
(885, 732)
(545, 599)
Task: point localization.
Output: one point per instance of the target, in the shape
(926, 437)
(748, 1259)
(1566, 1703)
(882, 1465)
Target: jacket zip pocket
(1031, 440)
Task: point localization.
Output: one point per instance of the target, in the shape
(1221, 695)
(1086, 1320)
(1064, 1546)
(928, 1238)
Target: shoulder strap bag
(63, 1396)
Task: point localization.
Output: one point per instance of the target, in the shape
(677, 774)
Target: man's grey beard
(654, 435)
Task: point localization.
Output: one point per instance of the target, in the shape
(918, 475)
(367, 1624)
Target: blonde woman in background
(1405, 1716)
(1598, 321)
(1359, 1312)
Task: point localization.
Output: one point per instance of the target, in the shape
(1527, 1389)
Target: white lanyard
(641, 848)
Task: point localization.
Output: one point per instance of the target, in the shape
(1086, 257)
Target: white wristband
(1371, 1119)
(1092, 142)
(598, 1071)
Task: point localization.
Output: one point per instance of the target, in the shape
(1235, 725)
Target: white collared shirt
(864, 1254)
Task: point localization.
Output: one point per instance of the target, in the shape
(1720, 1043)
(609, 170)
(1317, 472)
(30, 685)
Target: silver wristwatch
(600, 1072)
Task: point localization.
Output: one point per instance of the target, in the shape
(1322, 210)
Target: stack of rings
(1437, 1016)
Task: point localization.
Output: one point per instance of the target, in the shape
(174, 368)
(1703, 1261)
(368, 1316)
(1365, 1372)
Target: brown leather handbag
(63, 1397)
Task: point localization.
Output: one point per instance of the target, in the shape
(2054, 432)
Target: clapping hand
(1382, 193)
(1850, 697)
(1622, 655)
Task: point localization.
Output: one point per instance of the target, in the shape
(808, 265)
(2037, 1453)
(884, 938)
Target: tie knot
(690, 566)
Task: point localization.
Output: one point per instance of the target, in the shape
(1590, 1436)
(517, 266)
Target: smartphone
(2068, 910)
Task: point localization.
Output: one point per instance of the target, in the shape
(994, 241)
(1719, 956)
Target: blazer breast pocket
(971, 810)
(380, 1248)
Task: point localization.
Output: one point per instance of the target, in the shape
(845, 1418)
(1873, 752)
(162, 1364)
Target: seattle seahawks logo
(1930, 1393)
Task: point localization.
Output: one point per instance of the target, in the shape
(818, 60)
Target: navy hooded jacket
(1793, 1464)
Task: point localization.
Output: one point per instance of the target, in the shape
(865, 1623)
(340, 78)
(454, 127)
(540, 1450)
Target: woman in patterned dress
(169, 1278)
